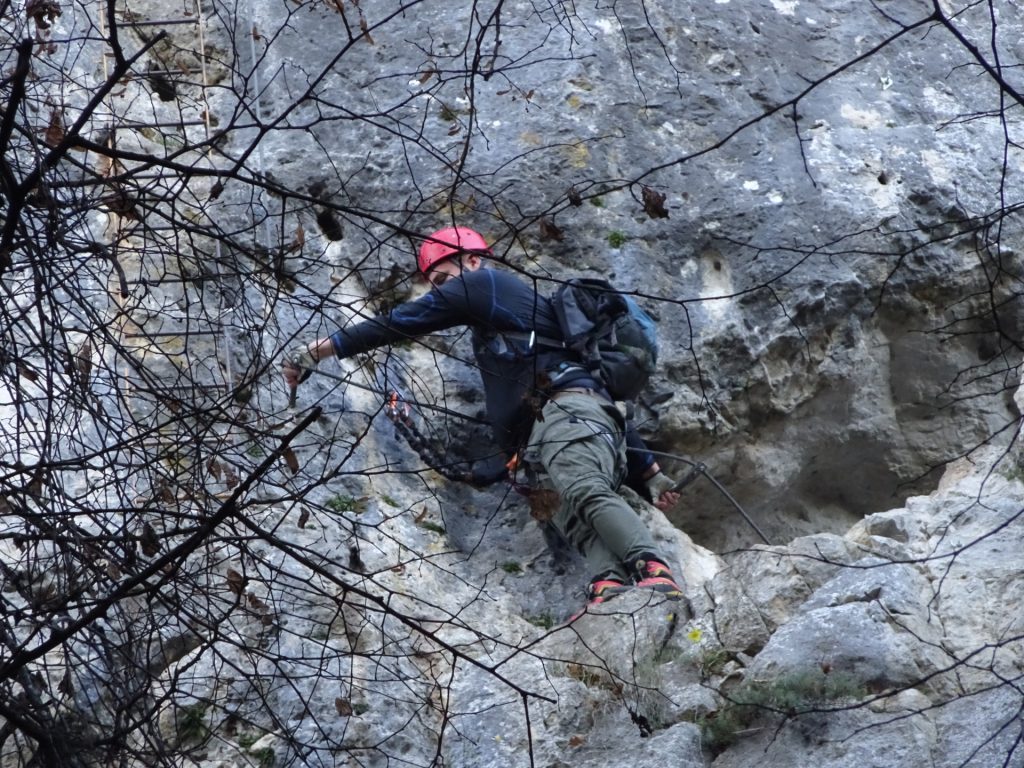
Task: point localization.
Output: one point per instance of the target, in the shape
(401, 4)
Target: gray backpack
(608, 333)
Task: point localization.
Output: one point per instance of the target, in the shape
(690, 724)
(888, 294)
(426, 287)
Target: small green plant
(712, 662)
(720, 729)
(255, 451)
(192, 723)
(616, 239)
(246, 740)
(389, 501)
(342, 503)
(544, 621)
(597, 202)
(511, 567)
(788, 696)
(1013, 472)
(360, 708)
(431, 526)
(448, 114)
(265, 757)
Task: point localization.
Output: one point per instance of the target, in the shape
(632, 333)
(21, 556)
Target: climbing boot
(601, 591)
(651, 573)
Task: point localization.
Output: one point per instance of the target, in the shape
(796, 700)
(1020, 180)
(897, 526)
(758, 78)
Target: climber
(541, 406)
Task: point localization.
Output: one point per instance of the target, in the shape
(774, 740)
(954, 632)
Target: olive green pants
(580, 444)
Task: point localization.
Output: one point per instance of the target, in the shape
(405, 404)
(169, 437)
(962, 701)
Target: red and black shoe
(652, 573)
(601, 591)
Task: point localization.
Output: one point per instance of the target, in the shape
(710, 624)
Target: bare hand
(667, 500)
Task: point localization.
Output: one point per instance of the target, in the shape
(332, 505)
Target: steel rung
(160, 22)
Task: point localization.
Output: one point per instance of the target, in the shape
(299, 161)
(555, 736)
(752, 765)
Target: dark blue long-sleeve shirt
(491, 303)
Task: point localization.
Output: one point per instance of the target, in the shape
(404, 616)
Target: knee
(584, 491)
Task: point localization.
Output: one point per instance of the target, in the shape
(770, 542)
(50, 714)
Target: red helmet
(449, 242)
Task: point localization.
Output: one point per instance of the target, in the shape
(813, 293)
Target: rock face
(897, 643)
(821, 264)
(828, 309)
(834, 269)
(885, 623)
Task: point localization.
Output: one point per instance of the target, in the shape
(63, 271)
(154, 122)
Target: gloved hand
(298, 365)
(661, 488)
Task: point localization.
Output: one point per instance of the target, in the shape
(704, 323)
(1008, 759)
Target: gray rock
(855, 640)
(847, 739)
(832, 334)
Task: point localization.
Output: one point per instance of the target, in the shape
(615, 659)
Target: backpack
(608, 333)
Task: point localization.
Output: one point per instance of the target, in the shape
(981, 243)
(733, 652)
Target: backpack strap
(532, 339)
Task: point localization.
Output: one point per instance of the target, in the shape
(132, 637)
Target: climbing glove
(658, 483)
(300, 357)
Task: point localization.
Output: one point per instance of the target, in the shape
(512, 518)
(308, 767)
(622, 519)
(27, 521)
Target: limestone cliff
(820, 203)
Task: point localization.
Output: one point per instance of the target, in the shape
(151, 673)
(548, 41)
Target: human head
(449, 242)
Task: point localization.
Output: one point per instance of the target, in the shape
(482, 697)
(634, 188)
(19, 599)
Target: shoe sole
(662, 586)
(604, 597)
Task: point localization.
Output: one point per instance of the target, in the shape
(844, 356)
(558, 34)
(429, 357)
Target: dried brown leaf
(66, 686)
(44, 12)
(55, 130)
(291, 460)
(365, 28)
(258, 605)
(549, 231)
(343, 706)
(236, 581)
(83, 362)
(27, 373)
(149, 540)
(654, 203)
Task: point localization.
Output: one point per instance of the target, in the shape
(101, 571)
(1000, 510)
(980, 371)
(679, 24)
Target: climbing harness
(533, 484)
